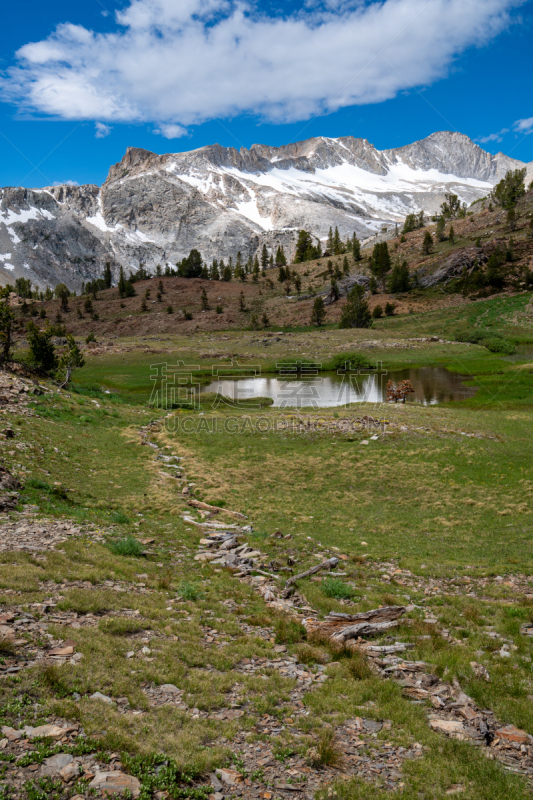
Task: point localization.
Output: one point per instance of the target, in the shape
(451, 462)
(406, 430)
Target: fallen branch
(215, 509)
(331, 562)
(341, 627)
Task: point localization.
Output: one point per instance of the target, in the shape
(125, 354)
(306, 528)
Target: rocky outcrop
(154, 209)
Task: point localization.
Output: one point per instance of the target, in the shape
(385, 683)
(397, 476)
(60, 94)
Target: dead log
(331, 562)
(362, 629)
(214, 509)
(386, 649)
(365, 624)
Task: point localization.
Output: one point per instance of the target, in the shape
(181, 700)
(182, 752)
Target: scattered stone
(116, 782)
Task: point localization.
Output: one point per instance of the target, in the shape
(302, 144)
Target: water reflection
(432, 385)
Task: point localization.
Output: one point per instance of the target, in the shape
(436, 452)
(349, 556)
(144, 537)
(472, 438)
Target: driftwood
(362, 629)
(340, 627)
(387, 649)
(331, 562)
(215, 509)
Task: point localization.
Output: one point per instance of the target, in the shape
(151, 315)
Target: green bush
(189, 591)
(351, 361)
(334, 587)
(289, 631)
(493, 341)
(37, 483)
(118, 516)
(128, 546)
(497, 345)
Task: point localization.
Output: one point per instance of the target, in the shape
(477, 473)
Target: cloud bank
(175, 63)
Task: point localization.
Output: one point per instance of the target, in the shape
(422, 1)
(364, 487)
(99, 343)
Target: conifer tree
(121, 283)
(427, 244)
(356, 249)
(345, 266)
(440, 234)
(264, 258)
(356, 313)
(330, 241)
(318, 314)
(108, 278)
(451, 235)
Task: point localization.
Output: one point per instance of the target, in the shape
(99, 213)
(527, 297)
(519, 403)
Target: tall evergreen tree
(427, 244)
(318, 314)
(440, 232)
(380, 262)
(356, 248)
(337, 244)
(356, 313)
(121, 283)
(108, 278)
(399, 279)
(330, 242)
(264, 258)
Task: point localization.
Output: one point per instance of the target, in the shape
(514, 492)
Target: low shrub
(189, 591)
(334, 587)
(288, 631)
(128, 546)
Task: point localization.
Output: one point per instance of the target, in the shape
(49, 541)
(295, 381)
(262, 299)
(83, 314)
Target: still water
(431, 385)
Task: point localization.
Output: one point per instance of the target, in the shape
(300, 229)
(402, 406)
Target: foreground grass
(431, 499)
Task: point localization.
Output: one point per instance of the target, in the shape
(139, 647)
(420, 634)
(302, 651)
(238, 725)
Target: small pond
(431, 385)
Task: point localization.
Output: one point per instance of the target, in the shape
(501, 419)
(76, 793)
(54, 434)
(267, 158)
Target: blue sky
(81, 82)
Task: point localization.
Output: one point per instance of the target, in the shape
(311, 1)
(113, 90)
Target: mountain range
(153, 209)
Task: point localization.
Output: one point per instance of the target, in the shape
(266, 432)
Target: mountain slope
(153, 209)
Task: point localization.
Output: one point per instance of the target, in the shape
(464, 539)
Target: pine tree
(334, 290)
(337, 244)
(380, 262)
(356, 249)
(427, 244)
(205, 301)
(451, 235)
(356, 313)
(399, 279)
(439, 232)
(121, 283)
(271, 260)
(298, 284)
(345, 266)
(264, 258)
(330, 245)
(265, 320)
(318, 314)
(282, 275)
(242, 304)
(215, 274)
(255, 270)
(108, 278)
(421, 221)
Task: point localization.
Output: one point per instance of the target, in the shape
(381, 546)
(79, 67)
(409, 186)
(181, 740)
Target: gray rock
(54, 764)
(103, 697)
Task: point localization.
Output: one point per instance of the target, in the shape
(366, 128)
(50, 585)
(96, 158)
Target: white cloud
(171, 131)
(493, 137)
(180, 62)
(524, 125)
(65, 183)
(102, 130)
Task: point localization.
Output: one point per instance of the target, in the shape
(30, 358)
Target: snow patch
(250, 210)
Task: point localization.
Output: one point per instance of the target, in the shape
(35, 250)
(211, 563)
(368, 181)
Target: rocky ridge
(153, 209)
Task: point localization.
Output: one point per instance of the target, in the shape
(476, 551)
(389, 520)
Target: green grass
(434, 501)
(129, 546)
